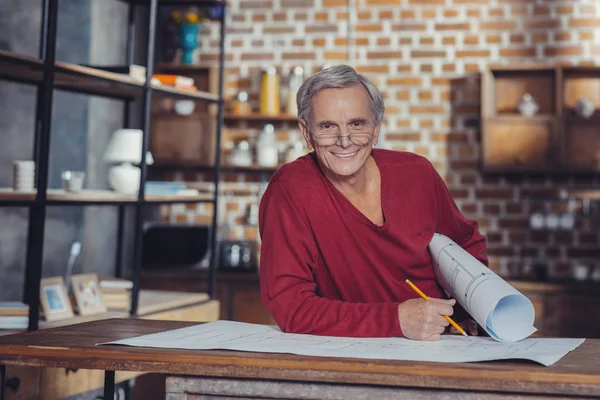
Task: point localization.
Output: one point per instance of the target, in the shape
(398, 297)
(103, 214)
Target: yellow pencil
(424, 296)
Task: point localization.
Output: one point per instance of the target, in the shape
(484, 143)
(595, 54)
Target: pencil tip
(464, 334)
(407, 281)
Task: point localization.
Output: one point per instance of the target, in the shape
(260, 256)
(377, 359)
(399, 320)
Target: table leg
(2, 381)
(109, 385)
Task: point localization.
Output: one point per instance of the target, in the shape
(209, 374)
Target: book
(13, 308)
(109, 282)
(14, 322)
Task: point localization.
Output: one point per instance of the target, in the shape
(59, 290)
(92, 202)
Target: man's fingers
(450, 302)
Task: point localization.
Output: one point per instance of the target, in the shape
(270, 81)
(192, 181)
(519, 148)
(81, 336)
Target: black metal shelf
(87, 80)
(48, 75)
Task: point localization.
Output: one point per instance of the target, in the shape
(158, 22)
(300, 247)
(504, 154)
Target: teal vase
(188, 41)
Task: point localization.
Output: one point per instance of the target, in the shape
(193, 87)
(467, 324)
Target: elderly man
(343, 227)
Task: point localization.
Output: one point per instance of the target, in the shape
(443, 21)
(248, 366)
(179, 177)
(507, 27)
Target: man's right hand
(424, 320)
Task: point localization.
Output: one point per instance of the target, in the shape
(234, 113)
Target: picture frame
(88, 298)
(56, 304)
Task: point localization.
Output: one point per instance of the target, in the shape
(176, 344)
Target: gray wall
(88, 32)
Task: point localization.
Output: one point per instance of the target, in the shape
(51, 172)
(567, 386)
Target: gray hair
(337, 77)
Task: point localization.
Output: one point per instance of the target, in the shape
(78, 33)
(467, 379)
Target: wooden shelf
(520, 118)
(150, 302)
(585, 194)
(78, 78)
(202, 3)
(261, 117)
(90, 196)
(176, 165)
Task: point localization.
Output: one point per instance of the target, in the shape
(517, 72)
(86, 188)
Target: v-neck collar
(351, 208)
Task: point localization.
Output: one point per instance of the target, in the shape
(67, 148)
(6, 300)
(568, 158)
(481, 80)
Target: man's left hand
(469, 326)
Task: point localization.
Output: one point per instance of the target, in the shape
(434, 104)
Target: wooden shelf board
(150, 302)
(10, 194)
(79, 78)
(174, 165)
(261, 117)
(6, 332)
(100, 196)
(519, 118)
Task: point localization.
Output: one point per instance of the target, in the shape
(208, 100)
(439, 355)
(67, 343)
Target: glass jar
(241, 106)
(296, 80)
(269, 92)
(267, 152)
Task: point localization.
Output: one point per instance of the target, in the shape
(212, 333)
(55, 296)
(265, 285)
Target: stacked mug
(23, 175)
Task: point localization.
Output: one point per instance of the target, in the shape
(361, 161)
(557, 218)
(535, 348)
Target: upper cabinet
(539, 118)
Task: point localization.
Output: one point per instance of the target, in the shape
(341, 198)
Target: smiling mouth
(345, 155)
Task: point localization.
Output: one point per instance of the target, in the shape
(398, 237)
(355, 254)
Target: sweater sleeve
(288, 286)
(452, 223)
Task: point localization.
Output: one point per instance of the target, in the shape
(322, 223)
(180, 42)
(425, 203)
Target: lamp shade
(125, 146)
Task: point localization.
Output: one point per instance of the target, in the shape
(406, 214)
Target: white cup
(23, 175)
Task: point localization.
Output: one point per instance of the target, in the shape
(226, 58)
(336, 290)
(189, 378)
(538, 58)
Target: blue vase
(188, 41)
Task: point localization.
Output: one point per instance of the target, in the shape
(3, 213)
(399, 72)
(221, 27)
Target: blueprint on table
(229, 335)
(500, 309)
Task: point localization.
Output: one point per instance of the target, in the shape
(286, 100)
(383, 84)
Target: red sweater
(326, 269)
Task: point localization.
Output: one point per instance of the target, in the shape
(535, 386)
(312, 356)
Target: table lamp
(125, 148)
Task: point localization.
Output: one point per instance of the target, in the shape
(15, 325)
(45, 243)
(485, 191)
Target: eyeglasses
(359, 133)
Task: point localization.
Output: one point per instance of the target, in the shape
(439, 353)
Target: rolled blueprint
(504, 312)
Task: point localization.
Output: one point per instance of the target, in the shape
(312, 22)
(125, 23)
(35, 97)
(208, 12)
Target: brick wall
(426, 56)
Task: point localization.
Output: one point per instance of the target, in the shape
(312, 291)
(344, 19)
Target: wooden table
(211, 374)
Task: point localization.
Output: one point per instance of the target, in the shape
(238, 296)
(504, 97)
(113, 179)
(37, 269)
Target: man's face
(341, 111)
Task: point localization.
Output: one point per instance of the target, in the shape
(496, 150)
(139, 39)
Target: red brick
(517, 38)
(380, 69)
(512, 222)
(384, 54)
(385, 15)
(407, 14)
(407, 137)
(425, 95)
(279, 16)
(494, 193)
(411, 27)
(427, 54)
(424, 2)
(383, 41)
(255, 4)
(369, 28)
(276, 30)
(584, 23)
(541, 10)
(404, 68)
(449, 68)
(563, 51)
(405, 41)
(341, 15)
(362, 41)
(428, 14)
(426, 109)
(497, 25)
(298, 56)
(321, 16)
(259, 18)
(413, 81)
(586, 35)
(588, 9)
(449, 40)
(474, 12)
(321, 28)
(541, 24)
(450, 13)
(426, 68)
(336, 55)
(318, 42)
(426, 41)
(564, 9)
(493, 39)
(335, 3)
(562, 36)
(496, 12)
(341, 42)
(472, 53)
(539, 38)
(459, 26)
(363, 15)
(471, 39)
(384, 2)
(237, 43)
(518, 52)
